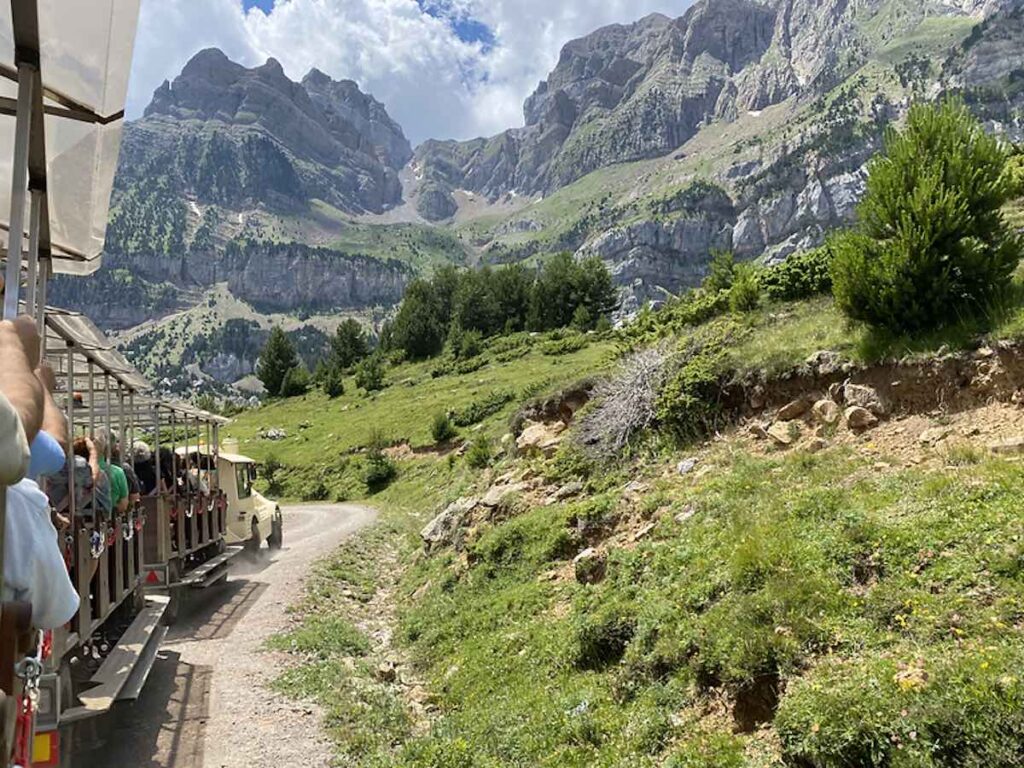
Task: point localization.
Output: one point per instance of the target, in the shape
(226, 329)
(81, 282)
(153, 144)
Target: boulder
(590, 565)
(784, 433)
(497, 495)
(817, 444)
(567, 491)
(686, 466)
(445, 529)
(859, 418)
(758, 431)
(793, 410)
(824, 362)
(835, 392)
(827, 412)
(863, 396)
(1009, 446)
(541, 438)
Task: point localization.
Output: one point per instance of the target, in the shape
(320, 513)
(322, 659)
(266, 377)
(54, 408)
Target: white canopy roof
(85, 53)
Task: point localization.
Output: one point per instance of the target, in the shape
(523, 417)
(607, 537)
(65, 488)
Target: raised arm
(19, 358)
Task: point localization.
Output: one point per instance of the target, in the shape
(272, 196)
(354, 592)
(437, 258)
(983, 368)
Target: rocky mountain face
(236, 137)
(628, 92)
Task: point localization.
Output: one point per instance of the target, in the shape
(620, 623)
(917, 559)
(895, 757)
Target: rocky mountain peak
(256, 135)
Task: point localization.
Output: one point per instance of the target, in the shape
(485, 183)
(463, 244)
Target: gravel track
(207, 704)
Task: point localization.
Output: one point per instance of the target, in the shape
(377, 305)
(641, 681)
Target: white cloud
(434, 84)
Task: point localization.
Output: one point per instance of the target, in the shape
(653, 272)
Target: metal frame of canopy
(36, 100)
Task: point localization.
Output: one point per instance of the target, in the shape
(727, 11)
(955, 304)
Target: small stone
(817, 444)
(1009, 446)
(446, 528)
(865, 397)
(637, 488)
(688, 511)
(827, 412)
(784, 434)
(934, 435)
(858, 418)
(566, 491)
(686, 466)
(644, 532)
(386, 672)
(590, 566)
(881, 466)
(497, 494)
(792, 410)
(825, 362)
(835, 393)
(758, 431)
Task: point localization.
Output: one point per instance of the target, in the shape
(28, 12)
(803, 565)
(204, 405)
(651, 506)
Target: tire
(276, 538)
(252, 546)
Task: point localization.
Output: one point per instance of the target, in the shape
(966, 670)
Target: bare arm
(54, 421)
(19, 357)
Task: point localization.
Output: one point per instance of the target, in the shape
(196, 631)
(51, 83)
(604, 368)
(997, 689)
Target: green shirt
(118, 482)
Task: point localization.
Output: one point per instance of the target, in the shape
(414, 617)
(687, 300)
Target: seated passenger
(33, 566)
(118, 482)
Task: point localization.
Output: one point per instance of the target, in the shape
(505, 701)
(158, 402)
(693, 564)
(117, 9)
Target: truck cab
(251, 517)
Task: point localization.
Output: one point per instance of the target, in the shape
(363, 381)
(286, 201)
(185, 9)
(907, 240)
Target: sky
(443, 68)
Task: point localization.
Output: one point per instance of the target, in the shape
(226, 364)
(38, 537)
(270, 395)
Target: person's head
(141, 452)
(105, 440)
(81, 447)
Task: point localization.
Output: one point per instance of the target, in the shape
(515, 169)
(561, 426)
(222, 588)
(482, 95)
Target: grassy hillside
(846, 606)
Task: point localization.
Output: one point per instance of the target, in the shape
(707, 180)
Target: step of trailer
(137, 646)
(206, 574)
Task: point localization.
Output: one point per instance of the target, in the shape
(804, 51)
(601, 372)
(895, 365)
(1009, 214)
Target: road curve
(206, 704)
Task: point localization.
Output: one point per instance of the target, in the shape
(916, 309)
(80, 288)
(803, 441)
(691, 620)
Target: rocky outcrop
(627, 92)
(224, 134)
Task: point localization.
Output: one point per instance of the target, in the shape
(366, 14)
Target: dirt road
(206, 704)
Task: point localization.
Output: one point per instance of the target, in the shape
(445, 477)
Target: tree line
(453, 309)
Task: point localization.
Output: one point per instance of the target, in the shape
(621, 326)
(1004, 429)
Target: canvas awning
(78, 54)
(88, 345)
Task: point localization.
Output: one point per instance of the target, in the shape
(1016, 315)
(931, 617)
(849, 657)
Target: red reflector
(152, 578)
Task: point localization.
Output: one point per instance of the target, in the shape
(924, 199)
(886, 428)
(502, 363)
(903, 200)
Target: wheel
(252, 546)
(276, 537)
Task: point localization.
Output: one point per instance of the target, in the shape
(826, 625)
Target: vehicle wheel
(276, 538)
(252, 546)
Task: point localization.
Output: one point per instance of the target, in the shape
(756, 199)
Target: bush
(333, 383)
(480, 409)
(442, 429)
(464, 344)
(688, 406)
(931, 245)
(295, 382)
(721, 272)
(745, 294)
(480, 453)
(964, 707)
(572, 342)
(380, 470)
(370, 374)
(270, 469)
(800, 276)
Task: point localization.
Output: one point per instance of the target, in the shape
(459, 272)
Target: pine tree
(277, 358)
(931, 245)
(349, 345)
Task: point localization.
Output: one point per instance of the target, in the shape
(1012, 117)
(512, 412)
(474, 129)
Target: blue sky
(443, 68)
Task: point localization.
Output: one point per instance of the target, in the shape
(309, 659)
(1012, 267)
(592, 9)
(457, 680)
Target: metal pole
(45, 266)
(69, 389)
(121, 428)
(19, 187)
(108, 437)
(156, 447)
(92, 402)
(34, 218)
